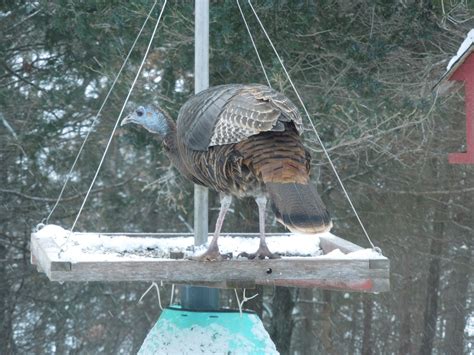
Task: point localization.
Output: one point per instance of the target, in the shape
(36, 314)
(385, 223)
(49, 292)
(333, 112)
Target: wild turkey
(242, 140)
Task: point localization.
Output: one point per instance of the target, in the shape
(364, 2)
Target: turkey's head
(152, 119)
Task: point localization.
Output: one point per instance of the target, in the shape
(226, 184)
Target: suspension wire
(253, 43)
(313, 127)
(69, 175)
(157, 288)
(172, 294)
(120, 114)
(244, 299)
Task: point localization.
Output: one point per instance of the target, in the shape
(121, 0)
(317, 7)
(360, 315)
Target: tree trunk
(326, 336)
(367, 346)
(404, 298)
(282, 323)
(354, 323)
(432, 289)
(307, 313)
(6, 308)
(457, 297)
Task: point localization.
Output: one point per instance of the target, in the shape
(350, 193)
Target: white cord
(120, 114)
(155, 285)
(172, 294)
(245, 299)
(253, 43)
(312, 125)
(68, 177)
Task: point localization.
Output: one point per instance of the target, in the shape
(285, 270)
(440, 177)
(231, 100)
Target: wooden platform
(345, 273)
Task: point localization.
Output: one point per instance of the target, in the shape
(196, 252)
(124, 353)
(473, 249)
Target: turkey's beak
(128, 119)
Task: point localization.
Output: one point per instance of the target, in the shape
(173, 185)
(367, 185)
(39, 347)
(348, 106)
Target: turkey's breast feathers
(236, 138)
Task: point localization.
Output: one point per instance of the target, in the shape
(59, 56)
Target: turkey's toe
(212, 255)
(262, 253)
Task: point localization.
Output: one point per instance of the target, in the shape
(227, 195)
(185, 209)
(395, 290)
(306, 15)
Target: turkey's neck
(169, 137)
(169, 140)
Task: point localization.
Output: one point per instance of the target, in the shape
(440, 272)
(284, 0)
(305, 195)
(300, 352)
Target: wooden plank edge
(45, 249)
(227, 272)
(377, 285)
(44, 254)
(382, 263)
(363, 285)
(33, 259)
(177, 234)
(330, 242)
(39, 257)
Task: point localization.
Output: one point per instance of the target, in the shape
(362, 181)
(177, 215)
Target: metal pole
(201, 82)
(192, 297)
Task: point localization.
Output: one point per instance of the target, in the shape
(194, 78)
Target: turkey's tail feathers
(299, 207)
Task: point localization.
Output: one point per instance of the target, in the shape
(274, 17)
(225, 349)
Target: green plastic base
(180, 331)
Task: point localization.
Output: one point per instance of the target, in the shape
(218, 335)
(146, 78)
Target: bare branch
(69, 198)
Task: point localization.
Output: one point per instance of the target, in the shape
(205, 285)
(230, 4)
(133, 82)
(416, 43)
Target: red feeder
(461, 68)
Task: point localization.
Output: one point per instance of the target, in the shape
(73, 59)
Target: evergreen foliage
(365, 70)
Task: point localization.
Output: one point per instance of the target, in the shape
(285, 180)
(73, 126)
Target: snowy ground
(80, 247)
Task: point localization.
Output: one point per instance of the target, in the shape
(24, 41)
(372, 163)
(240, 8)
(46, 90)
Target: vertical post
(201, 82)
(192, 297)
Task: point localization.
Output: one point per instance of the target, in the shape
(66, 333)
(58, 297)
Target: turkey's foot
(262, 253)
(212, 254)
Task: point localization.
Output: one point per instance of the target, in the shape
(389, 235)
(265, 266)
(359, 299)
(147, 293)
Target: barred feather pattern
(245, 140)
(231, 113)
(255, 109)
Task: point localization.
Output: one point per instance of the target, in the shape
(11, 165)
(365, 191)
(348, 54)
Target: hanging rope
(172, 294)
(253, 43)
(157, 288)
(68, 177)
(120, 114)
(313, 127)
(158, 294)
(240, 304)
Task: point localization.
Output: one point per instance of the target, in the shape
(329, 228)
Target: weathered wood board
(359, 275)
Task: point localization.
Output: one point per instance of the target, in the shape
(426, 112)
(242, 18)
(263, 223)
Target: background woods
(365, 70)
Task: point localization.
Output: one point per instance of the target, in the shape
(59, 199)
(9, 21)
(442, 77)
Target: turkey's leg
(212, 253)
(263, 250)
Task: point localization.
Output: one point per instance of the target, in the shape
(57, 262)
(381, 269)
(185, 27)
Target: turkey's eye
(140, 113)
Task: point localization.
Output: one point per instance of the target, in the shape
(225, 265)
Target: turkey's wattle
(243, 140)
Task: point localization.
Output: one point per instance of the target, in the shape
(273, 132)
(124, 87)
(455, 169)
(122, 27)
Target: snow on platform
(323, 260)
(94, 246)
(81, 247)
